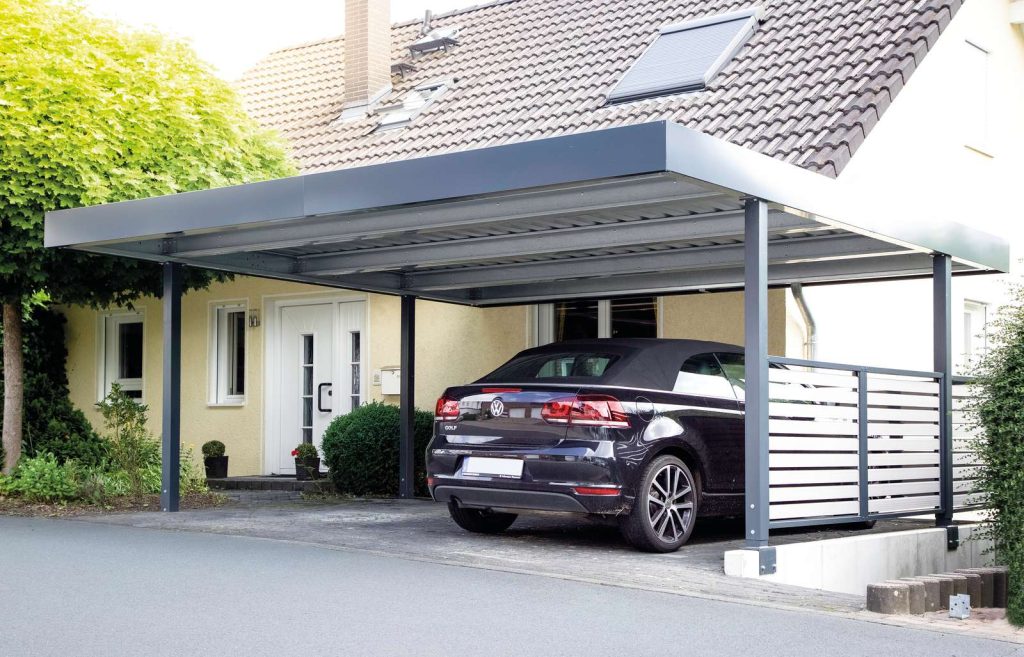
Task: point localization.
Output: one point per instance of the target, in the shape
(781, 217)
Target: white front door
(319, 374)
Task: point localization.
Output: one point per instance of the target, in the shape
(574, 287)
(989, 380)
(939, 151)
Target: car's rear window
(553, 366)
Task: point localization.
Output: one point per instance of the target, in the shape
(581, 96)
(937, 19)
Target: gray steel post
(942, 346)
(406, 444)
(755, 308)
(862, 443)
(171, 408)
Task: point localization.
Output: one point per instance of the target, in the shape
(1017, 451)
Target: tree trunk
(14, 386)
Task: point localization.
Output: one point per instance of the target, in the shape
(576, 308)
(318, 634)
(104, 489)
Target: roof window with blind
(686, 56)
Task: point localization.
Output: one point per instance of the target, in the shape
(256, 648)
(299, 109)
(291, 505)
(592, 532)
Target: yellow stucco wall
(718, 316)
(454, 344)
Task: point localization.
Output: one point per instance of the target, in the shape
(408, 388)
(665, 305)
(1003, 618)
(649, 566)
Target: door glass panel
(355, 369)
(575, 320)
(635, 317)
(307, 388)
(701, 375)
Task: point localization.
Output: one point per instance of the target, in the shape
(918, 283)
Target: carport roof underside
(646, 208)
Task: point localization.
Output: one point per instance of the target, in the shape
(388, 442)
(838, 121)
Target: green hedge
(361, 449)
(999, 413)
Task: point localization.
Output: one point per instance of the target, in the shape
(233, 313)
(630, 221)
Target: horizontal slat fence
(850, 443)
(965, 448)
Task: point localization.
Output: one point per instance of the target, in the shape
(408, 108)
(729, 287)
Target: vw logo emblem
(497, 407)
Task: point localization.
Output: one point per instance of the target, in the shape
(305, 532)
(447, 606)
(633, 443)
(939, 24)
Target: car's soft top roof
(643, 362)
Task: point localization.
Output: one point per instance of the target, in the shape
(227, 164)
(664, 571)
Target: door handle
(320, 397)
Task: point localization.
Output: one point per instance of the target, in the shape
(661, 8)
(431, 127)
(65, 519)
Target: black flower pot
(216, 467)
(307, 468)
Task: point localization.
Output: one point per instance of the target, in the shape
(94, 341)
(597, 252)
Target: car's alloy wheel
(665, 510)
(670, 503)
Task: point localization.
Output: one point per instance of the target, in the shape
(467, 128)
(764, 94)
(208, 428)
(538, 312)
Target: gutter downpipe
(811, 345)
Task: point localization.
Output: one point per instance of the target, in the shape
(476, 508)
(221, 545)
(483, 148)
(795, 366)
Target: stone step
(271, 483)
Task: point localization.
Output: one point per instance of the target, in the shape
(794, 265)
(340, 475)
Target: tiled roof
(807, 88)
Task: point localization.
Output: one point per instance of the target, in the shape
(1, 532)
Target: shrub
(361, 450)
(213, 449)
(192, 476)
(40, 479)
(132, 450)
(998, 412)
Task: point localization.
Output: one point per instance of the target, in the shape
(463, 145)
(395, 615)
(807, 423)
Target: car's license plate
(480, 465)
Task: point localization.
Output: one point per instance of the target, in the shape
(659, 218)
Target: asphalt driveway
(89, 589)
(550, 545)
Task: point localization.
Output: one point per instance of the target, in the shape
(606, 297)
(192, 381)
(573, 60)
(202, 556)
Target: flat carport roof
(646, 208)
(651, 208)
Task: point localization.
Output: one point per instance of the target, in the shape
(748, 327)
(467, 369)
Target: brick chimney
(367, 52)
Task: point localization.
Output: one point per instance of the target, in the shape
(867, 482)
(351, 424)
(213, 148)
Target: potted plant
(307, 462)
(214, 460)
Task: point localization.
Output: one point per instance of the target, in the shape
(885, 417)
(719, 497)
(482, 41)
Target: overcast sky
(233, 34)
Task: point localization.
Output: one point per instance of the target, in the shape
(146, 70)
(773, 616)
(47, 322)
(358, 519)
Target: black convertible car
(646, 430)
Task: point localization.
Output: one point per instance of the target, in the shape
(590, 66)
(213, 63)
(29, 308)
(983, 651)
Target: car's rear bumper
(503, 498)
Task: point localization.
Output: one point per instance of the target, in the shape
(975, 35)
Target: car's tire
(667, 487)
(480, 521)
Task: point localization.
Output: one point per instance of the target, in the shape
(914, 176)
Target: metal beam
(722, 225)
(681, 259)
(407, 401)
(755, 329)
(897, 266)
(942, 348)
(171, 403)
(594, 196)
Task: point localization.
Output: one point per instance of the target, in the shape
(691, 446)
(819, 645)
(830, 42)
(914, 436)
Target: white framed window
(228, 324)
(122, 353)
(975, 330)
(631, 317)
(974, 90)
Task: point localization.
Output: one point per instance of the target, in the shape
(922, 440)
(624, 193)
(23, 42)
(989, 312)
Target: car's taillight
(596, 490)
(446, 409)
(586, 410)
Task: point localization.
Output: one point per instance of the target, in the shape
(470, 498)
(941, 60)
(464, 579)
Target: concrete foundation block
(973, 588)
(987, 576)
(916, 594)
(889, 598)
(945, 588)
(1000, 585)
(932, 592)
(959, 583)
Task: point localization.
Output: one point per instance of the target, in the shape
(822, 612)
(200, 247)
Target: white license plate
(480, 465)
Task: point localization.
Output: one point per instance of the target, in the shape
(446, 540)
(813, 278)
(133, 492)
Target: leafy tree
(998, 411)
(92, 113)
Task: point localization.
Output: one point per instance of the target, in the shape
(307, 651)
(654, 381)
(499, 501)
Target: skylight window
(686, 56)
(402, 113)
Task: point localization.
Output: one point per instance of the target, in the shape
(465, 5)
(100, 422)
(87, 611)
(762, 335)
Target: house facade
(267, 364)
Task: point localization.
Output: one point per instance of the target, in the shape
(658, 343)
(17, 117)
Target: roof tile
(808, 87)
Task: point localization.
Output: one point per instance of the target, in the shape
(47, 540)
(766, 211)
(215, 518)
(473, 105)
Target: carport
(650, 208)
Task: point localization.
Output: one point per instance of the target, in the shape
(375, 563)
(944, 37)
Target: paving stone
(889, 598)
